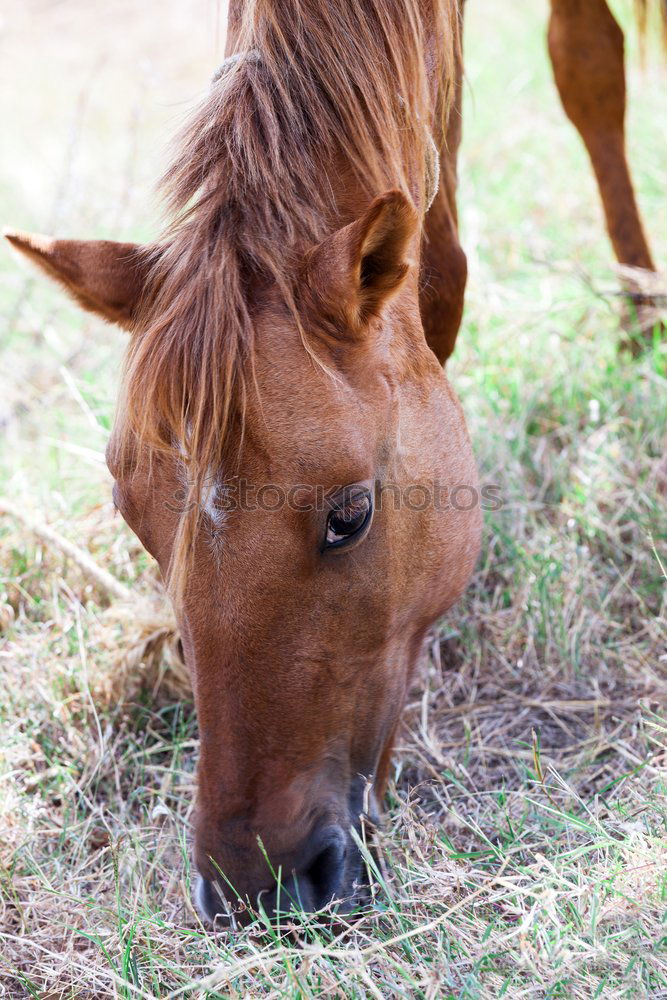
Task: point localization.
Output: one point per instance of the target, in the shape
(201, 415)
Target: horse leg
(586, 48)
(444, 270)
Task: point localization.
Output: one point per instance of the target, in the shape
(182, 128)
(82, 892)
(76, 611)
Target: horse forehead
(333, 404)
(320, 414)
(322, 378)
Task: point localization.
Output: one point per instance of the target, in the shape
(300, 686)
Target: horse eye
(351, 513)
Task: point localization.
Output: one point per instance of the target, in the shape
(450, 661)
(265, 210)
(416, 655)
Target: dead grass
(524, 843)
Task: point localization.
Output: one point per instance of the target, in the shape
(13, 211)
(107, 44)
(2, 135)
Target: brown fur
(104, 277)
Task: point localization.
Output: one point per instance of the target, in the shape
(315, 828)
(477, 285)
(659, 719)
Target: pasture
(524, 846)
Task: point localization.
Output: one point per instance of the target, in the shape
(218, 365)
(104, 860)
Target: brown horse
(283, 392)
(279, 400)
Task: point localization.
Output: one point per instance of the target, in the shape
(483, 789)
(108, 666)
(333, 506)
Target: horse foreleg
(586, 47)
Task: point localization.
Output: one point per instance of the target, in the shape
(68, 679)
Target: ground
(525, 840)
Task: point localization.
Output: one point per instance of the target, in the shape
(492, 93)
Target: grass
(525, 838)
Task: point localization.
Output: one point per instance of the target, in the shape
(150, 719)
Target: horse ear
(104, 277)
(353, 272)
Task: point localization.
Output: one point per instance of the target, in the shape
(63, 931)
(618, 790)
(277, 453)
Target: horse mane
(642, 14)
(316, 83)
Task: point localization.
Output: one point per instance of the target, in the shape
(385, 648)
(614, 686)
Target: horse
(279, 400)
(284, 393)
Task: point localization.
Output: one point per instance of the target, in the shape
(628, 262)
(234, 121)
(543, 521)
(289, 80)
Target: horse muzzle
(328, 871)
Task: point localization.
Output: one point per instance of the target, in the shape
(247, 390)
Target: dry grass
(525, 842)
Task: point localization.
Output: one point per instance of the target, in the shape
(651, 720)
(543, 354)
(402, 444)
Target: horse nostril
(317, 883)
(326, 870)
(320, 876)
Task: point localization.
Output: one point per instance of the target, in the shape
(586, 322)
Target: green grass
(524, 848)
